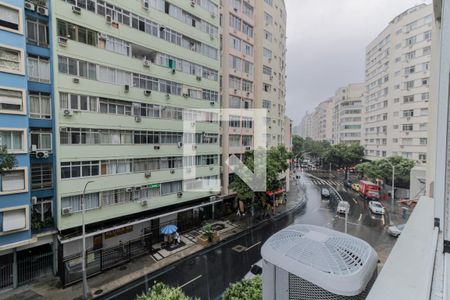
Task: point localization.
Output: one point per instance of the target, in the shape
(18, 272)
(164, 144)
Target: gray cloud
(326, 45)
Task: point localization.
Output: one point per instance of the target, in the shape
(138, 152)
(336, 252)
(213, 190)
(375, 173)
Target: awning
(279, 191)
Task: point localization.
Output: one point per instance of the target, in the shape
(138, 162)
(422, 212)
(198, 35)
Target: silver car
(396, 230)
(343, 207)
(376, 207)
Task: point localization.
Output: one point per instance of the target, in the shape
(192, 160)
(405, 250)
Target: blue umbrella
(169, 229)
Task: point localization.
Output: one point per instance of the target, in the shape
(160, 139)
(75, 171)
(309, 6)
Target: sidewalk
(50, 288)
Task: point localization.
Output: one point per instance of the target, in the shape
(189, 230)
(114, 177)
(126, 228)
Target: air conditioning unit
(41, 154)
(180, 145)
(148, 174)
(62, 41)
(145, 4)
(185, 95)
(138, 119)
(146, 63)
(194, 147)
(193, 3)
(156, 147)
(147, 93)
(248, 148)
(66, 211)
(174, 71)
(211, 168)
(108, 19)
(212, 102)
(76, 10)
(172, 171)
(43, 11)
(76, 80)
(68, 112)
(29, 5)
(126, 88)
(102, 36)
(144, 202)
(179, 194)
(167, 96)
(34, 200)
(199, 78)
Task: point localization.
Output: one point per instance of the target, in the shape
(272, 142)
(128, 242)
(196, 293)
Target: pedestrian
(238, 213)
(177, 237)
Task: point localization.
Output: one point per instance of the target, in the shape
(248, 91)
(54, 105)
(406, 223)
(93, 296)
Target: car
(355, 187)
(325, 193)
(396, 230)
(343, 207)
(376, 207)
(255, 269)
(348, 183)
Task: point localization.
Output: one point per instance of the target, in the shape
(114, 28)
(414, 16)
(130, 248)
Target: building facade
(347, 112)
(397, 87)
(128, 78)
(318, 125)
(253, 76)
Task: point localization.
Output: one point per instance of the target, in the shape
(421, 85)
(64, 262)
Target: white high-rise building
(397, 87)
(347, 110)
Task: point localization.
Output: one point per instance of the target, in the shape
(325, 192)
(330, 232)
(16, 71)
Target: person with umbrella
(168, 230)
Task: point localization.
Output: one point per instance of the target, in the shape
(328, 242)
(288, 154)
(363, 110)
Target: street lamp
(83, 263)
(393, 183)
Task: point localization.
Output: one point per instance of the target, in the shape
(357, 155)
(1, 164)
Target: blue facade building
(26, 122)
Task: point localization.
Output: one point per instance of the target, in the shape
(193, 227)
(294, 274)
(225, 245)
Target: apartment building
(129, 76)
(318, 125)
(253, 75)
(304, 128)
(347, 112)
(397, 87)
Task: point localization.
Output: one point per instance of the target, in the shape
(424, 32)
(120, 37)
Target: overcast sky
(326, 41)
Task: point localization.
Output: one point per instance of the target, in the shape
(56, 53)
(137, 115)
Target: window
(408, 99)
(407, 127)
(268, 35)
(268, 18)
(247, 86)
(10, 18)
(266, 104)
(13, 140)
(11, 60)
(423, 157)
(409, 84)
(427, 35)
(267, 70)
(13, 181)
(235, 140)
(408, 113)
(235, 43)
(92, 201)
(411, 41)
(235, 121)
(235, 22)
(41, 176)
(13, 219)
(247, 29)
(425, 96)
(423, 141)
(267, 53)
(11, 101)
(427, 50)
(247, 122)
(40, 106)
(168, 188)
(41, 139)
(38, 69)
(37, 32)
(267, 87)
(248, 49)
(234, 102)
(235, 63)
(247, 9)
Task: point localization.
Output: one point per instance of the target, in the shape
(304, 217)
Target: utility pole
(393, 185)
(83, 262)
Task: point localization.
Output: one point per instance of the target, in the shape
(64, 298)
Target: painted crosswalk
(334, 183)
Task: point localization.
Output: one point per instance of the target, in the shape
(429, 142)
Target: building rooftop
(337, 262)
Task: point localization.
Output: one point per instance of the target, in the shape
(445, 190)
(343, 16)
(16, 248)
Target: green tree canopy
(7, 160)
(160, 291)
(345, 155)
(248, 289)
(383, 170)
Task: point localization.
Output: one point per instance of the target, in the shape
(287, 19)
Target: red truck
(369, 190)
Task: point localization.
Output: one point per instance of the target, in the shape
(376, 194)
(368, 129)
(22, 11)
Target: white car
(376, 207)
(343, 207)
(396, 230)
(256, 269)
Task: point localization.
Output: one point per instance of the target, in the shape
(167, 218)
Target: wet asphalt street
(208, 274)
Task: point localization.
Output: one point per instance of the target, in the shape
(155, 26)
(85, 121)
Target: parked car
(376, 207)
(343, 207)
(325, 193)
(255, 269)
(355, 187)
(348, 183)
(396, 230)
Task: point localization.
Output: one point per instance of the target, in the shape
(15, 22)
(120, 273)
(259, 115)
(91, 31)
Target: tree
(160, 291)
(277, 163)
(248, 289)
(7, 160)
(345, 155)
(382, 169)
(298, 144)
